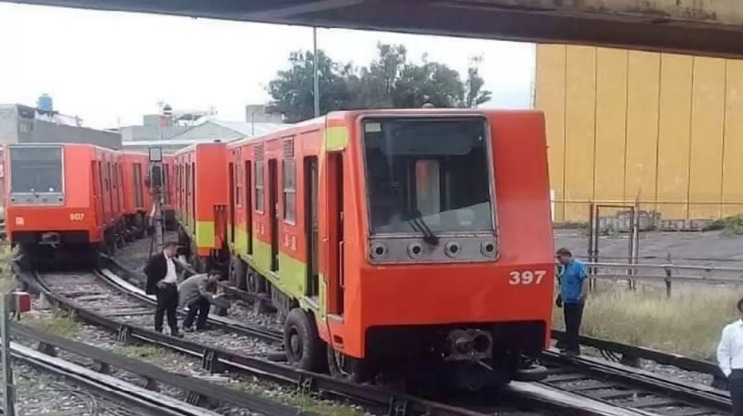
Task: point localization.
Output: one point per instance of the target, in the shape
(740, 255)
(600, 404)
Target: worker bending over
(197, 293)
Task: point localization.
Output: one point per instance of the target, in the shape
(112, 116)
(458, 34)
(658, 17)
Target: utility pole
(156, 185)
(316, 77)
(8, 387)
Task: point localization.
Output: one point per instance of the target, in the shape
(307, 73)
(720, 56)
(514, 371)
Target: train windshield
(35, 169)
(432, 171)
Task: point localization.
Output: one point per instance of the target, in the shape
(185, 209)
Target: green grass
(303, 401)
(61, 327)
(140, 352)
(687, 323)
(732, 226)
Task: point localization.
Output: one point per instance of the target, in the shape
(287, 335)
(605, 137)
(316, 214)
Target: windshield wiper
(418, 224)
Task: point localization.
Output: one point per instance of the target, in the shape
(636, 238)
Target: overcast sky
(110, 68)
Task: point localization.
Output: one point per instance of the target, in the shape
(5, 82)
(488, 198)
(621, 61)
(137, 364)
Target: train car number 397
(526, 277)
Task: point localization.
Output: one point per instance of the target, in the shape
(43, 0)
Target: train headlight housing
(487, 248)
(415, 250)
(378, 251)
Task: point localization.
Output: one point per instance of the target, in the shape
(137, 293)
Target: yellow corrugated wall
(623, 126)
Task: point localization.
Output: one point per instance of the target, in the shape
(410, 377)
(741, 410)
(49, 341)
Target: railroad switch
(398, 408)
(47, 349)
(306, 384)
(210, 361)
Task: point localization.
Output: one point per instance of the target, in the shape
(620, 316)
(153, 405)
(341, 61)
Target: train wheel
(344, 367)
(140, 224)
(254, 283)
(237, 272)
(302, 344)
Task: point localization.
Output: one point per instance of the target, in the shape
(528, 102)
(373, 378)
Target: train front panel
(445, 235)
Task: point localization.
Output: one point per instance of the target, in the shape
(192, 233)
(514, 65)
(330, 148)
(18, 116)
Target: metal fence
(664, 273)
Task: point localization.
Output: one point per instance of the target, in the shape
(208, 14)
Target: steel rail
(104, 385)
(107, 274)
(217, 359)
(630, 353)
(638, 389)
(198, 391)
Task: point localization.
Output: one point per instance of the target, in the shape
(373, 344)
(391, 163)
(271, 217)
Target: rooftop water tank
(45, 103)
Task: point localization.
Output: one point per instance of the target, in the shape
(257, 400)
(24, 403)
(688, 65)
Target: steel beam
(703, 27)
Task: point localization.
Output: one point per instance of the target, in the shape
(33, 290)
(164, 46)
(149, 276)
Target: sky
(110, 68)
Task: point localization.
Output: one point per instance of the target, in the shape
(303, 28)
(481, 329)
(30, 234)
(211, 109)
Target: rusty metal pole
(8, 388)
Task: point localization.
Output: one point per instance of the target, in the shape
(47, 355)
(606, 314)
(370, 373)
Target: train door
(311, 226)
(273, 213)
(97, 201)
(334, 187)
(249, 205)
(231, 182)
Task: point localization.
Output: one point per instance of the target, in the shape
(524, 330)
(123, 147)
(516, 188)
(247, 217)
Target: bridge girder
(704, 27)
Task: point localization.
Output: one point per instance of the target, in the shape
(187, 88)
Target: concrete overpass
(708, 27)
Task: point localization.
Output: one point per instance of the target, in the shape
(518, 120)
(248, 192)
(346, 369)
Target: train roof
(379, 112)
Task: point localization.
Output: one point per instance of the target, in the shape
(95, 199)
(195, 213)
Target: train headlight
(453, 249)
(487, 248)
(378, 251)
(415, 250)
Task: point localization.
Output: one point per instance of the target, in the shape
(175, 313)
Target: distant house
(207, 129)
(25, 124)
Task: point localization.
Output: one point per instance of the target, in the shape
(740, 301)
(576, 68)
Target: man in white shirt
(730, 359)
(162, 281)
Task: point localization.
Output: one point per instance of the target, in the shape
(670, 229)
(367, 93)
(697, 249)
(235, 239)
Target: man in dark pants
(730, 359)
(196, 293)
(573, 290)
(162, 281)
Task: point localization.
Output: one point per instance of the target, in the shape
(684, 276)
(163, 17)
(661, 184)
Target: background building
(623, 126)
(25, 124)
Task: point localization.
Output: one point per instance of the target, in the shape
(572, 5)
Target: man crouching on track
(162, 281)
(196, 293)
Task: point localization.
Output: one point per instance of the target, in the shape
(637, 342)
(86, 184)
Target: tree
(474, 94)
(389, 81)
(293, 88)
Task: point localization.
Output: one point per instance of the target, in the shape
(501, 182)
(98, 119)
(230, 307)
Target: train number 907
(526, 277)
(77, 216)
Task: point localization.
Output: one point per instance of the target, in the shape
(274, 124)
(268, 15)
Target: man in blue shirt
(573, 290)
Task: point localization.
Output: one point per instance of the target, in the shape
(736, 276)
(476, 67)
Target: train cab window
(36, 169)
(259, 187)
(290, 192)
(430, 170)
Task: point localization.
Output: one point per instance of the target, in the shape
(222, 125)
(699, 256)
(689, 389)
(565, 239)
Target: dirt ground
(712, 248)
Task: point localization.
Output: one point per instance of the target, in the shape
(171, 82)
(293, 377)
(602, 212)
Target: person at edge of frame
(730, 359)
(197, 294)
(571, 276)
(162, 281)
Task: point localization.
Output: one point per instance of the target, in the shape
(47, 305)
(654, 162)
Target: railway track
(628, 388)
(124, 399)
(517, 399)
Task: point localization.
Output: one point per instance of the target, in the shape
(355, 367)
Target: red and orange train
(74, 198)
(414, 242)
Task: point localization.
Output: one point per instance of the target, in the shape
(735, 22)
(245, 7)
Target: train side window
(138, 194)
(259, 187)
(166, 185)
(427, 187)
(238, 185)
(290, 191)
